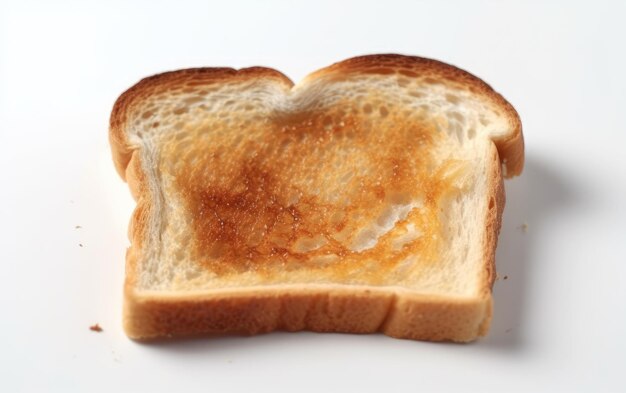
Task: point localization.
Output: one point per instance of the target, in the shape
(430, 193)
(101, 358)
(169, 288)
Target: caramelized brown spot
(379, 71)
(408, 73)
(309, 184)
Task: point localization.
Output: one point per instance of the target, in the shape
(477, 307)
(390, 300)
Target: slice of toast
(366, 198)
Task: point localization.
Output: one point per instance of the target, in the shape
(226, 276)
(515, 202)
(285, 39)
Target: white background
(560, 317)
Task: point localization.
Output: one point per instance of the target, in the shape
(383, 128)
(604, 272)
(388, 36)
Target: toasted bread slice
(366, 198)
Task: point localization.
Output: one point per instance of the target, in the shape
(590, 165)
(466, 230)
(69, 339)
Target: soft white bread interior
(368, 197)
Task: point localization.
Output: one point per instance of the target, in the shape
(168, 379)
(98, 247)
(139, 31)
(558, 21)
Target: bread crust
(396, 312)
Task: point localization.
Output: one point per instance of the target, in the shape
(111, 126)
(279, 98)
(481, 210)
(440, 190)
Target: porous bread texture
(375, 174)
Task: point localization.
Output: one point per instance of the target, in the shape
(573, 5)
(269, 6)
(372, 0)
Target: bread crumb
(497, 276)
(523, 227)
(505, 277)
(95, 328)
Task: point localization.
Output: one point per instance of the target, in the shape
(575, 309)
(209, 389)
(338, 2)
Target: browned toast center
(344, 190)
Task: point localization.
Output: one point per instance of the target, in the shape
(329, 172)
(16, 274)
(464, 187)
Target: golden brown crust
(493, 220)
(139, 221)
(511, 150)
(398, 314)
(394, 312)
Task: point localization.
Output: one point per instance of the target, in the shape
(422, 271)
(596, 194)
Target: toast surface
(366, 198)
